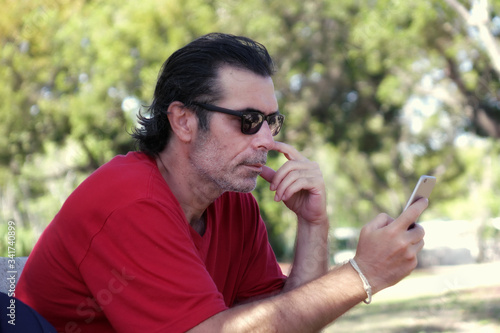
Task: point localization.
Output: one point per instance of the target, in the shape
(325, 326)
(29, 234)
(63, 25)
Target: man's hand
(387, 250)
(386, 253)
(299, 183)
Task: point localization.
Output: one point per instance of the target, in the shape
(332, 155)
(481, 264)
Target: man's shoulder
(133, 167)
(125, 178)
(131, 163)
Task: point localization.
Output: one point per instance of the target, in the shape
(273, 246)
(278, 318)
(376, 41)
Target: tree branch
(480, 19)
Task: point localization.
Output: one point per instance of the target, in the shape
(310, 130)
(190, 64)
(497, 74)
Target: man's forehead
(241, 88)
(238, 74)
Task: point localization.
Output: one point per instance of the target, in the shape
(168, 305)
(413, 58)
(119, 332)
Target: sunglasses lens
(275, 122)
(251, 122)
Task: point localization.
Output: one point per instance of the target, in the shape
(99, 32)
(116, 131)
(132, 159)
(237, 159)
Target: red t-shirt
(121, 256)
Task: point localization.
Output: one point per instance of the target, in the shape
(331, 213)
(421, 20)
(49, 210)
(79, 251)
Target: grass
(475, 310)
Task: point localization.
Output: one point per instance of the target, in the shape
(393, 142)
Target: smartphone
(423, 189)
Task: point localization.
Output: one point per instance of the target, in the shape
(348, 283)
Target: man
(169, 239)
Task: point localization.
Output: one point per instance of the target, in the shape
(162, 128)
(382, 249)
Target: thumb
(267, 173)
(379, 222)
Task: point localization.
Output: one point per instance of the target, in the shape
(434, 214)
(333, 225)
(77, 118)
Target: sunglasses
(251, 120)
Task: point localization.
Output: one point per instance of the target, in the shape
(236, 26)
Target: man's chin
(246, 187)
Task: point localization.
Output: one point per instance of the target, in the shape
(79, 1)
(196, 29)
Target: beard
(209, 159)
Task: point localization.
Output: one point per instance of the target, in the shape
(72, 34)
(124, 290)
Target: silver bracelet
(366, 284)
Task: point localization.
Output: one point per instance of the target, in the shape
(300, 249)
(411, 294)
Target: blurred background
(377, 92)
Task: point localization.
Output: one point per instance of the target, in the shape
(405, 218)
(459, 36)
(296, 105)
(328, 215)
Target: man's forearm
(386, 253)
(307, 308)
(311, 254)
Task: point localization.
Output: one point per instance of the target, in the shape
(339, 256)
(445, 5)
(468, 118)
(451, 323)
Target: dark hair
(189, 75)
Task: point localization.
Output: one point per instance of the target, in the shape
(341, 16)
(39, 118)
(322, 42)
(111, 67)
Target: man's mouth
(256, 164)
(257, 167)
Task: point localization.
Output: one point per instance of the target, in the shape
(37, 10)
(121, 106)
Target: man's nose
(264, 137)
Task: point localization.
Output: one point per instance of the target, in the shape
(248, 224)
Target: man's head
(191, 75)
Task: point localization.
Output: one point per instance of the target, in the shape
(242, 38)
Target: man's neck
(188, 189)
(200, 226)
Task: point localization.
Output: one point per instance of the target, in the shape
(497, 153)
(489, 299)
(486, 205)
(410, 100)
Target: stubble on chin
(234, 176)
(249, 180)
(239, 182)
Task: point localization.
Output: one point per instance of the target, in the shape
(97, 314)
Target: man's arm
(311, 254)
(299, 184)
(307, 308)
(386, 254)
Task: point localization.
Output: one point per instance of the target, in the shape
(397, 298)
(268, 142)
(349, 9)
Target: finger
(414, 249)
(380, 221)
(416, 234)
(309, 179)
(290, 152)
(282, 181)
(290, 186)
(417, 247)
(292, 170)
(408, 217)
(267, 173)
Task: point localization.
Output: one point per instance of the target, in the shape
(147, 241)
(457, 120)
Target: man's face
(223, 156)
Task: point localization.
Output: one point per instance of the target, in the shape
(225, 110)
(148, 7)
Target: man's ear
(183, 121)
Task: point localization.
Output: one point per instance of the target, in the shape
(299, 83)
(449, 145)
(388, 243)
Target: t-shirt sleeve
(145, 272)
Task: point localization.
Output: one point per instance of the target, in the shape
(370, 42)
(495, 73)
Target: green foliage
(377, 92)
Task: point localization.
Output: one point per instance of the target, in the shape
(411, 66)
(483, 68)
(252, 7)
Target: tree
(377, 92)
(74, 76)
